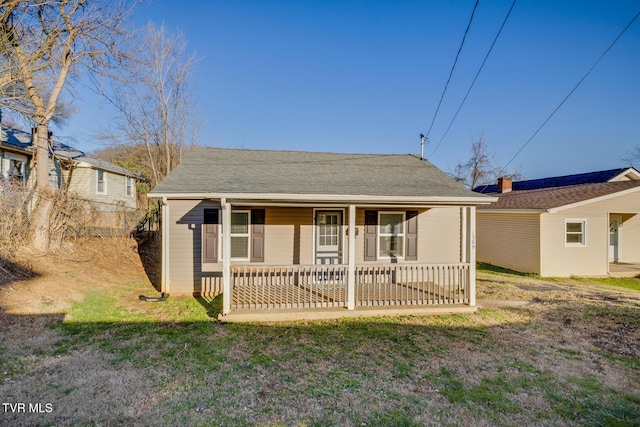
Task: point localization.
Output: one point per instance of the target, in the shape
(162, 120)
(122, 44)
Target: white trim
(622, 176)
(226, 258)
(404, 234)
(513, 211)
(104, 180)
(333, 198)
(596, 199)
(472, 256)
(351, 275)
(619, 245)
(582, 244)
(342, 229)
(165, 247)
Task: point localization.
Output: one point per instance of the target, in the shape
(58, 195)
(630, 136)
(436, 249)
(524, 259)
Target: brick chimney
(504, 184)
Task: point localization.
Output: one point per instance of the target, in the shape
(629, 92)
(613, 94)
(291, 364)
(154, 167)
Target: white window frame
(247, 234)
(129, 184)
(104, 180)
(583, 242)
(403, 234)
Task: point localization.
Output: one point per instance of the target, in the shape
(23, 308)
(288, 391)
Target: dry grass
(102, 357)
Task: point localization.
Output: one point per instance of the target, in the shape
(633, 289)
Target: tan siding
(289, 236)
(559, 260)
(186, 272)
(509, 240)
(438, 236)
(592, 260)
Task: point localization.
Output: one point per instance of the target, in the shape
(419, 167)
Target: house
(109, 189)
(585, 224)
(323, 231)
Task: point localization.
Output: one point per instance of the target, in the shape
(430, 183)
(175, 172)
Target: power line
(474, 79)
(573, 90)
(453, 66)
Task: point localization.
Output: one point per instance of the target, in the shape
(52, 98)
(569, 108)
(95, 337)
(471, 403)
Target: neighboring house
(585, 224)
(110, 188)
(289, 229)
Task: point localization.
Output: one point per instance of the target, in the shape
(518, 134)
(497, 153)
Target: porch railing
(411, 284)
(289, 286)
(318, 286)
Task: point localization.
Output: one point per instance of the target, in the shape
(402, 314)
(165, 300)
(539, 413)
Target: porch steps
(291, 314)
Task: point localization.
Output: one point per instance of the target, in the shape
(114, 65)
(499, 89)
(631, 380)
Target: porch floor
(289, 314)
(624, 269)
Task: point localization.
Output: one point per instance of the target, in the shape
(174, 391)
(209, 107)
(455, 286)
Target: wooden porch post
(472, 255)
(351, 278)
(463, 234)
(226, 256)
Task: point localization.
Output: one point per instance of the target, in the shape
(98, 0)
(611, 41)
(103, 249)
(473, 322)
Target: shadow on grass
(490, 268)
(212, 305)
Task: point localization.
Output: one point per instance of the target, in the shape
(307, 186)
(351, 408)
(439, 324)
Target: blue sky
(366, 77)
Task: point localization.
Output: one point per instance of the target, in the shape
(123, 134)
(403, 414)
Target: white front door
(614, 238)
(328, 237)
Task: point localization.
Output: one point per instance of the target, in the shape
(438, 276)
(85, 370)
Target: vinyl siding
(83, 182)
(438, 236)
(509, 240)
(593, 259)
(187, 274)
(289, 240)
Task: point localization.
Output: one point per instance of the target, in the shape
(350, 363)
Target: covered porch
(352, 287)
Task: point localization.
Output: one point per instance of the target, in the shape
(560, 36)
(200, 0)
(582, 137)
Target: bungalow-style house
(324, 231)
(110, 189)
(585, 224)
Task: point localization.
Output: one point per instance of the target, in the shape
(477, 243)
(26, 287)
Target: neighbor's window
(240, 234)
(575, 232)
(101, 187)
(391, 234)
(129, 186)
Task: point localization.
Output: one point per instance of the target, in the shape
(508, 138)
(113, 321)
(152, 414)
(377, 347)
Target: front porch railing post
(226, 256)
(351, 275)
(472, 256)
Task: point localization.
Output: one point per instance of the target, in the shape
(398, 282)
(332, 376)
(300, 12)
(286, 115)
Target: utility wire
(572, 90)
(474, 79)
(453, 66)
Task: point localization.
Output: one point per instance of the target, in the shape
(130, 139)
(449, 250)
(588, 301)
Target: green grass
(631, 283)
(395, 371)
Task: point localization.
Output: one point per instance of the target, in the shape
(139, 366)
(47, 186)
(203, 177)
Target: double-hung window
(391, 235)
(101, 183)
(575, 232)
(129, 186)
(240, 226)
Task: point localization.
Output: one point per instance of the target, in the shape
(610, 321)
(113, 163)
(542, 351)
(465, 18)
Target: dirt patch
(50, 283)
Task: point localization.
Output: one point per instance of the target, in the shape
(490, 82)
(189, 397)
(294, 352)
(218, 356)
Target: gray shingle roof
(233, 171)
(549, 198)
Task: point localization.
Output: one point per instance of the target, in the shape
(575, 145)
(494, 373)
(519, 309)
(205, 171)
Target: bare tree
(156, 103)
(43, 45)
(633, 157)
(481, 168)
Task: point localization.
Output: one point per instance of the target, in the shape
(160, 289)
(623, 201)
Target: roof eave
(332, 198)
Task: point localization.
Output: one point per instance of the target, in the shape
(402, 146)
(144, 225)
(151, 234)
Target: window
(101, 185)
(575, 232)
(391, 235)
(129, 186)
(240, 221)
